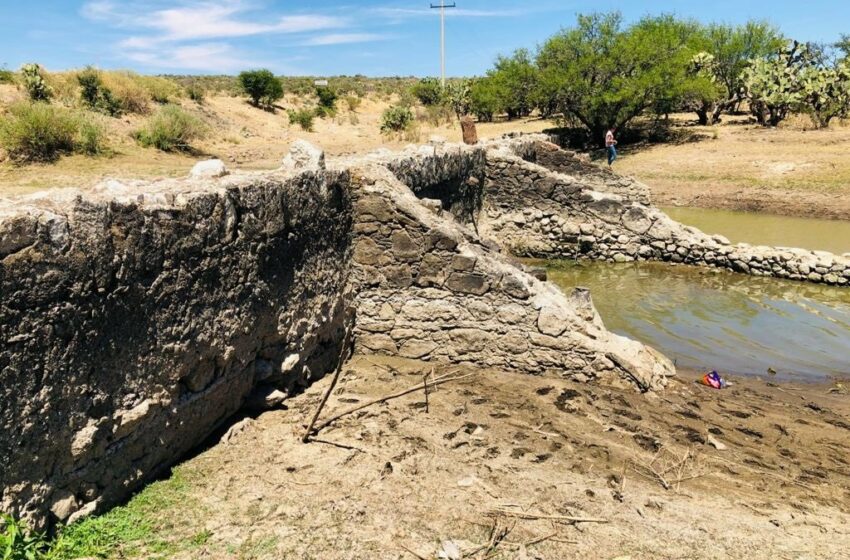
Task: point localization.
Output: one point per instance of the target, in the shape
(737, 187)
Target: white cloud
(189, 33)
(343, 38)
(214, 57)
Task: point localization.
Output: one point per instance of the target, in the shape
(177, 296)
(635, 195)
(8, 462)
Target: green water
(766, 229)
(708, 319)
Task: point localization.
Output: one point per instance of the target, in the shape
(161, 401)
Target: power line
(442, 7)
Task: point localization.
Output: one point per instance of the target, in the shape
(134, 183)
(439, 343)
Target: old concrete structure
(136, 318)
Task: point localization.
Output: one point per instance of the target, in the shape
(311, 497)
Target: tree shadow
(637, 137)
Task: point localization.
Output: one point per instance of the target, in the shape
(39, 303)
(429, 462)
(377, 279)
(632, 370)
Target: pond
(711, 319)
(767, 229)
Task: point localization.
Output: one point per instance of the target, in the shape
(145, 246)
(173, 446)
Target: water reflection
(767, 229)
(705, 318)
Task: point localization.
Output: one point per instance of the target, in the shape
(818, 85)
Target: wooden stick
(413, 553)
(425, 384)
(439, 381)
(532, 516)
(342, 353)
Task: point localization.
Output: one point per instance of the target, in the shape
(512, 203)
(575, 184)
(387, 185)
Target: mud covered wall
(136, 320)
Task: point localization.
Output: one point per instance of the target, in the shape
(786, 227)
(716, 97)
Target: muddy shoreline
(759, 470)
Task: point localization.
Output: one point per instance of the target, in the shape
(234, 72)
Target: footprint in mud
(691, 434)
(688, 413)
(542, 458)
(750, 432)
(519, 452)
(739, 414)
(564, 401)
(544, 390)
(629, 414)
(716, 431)
(648, 443)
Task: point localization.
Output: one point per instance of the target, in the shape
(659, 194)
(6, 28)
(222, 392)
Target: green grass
(144, 528)
(171, 129)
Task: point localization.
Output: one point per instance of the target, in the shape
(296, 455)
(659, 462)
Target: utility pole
(442, 6)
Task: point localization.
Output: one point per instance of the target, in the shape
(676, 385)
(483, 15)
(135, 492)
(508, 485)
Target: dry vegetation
(793, 169)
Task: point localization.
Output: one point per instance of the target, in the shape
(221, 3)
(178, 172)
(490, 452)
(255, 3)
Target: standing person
(611, 145)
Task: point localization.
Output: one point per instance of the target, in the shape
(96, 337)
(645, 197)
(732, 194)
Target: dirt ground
(500, 465)
(738, 165)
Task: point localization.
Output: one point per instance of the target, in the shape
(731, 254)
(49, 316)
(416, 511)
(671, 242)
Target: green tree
(261, 86)
(428, 91)
(484, 99)
(515, 80)
(826, 92)
(726, 51)
(600, 74)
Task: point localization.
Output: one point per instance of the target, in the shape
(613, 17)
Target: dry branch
(345, 341)
(439, 381)
(534, 516)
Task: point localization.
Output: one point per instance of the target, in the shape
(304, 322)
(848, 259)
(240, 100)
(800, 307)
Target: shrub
(160, 90)
(171, 129)
(261, 86)
(37, 132)
(128, 91)
(95, 95)
(34, 82)
(327, 102)
(428, 91)
(17, 542)
(302, 117)
(353, 102)
(6, 76)
(396, 119)
(484, 99)
(195, 92)
(90, 137)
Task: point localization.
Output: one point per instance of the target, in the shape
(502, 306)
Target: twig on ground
(439, 381)
(425, 386)
(342, 353)
(534, 516)
(336, 444)
(413, 553)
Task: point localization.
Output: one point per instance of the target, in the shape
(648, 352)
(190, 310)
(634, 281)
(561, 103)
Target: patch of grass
(139, 529)
(6, 76)
(17, 542)
(171, 129)
(40, 132)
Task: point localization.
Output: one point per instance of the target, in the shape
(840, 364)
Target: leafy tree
(599, 74)
(327, 102)
(725, 52)
(484, 99)
(843, 45)
(515, 81)
(428, 91)
(261, 86)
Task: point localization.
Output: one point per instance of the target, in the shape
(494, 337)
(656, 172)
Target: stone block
(476, 284)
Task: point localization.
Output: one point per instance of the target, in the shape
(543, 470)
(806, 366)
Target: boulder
(208, 169)
(303, 155)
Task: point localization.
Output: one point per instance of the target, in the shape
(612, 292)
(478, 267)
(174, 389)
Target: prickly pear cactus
(34, 83)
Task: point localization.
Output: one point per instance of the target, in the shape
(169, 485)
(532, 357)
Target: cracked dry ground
(754, 471)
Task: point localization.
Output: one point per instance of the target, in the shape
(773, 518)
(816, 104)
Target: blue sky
(329, 37)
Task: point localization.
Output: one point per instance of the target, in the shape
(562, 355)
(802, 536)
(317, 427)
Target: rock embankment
(538, 212)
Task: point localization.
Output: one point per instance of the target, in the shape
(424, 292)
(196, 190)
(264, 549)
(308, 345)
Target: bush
(171, 129)
(396, 119)
(195, 92)
(34, 82)
(6, 76)
(128, 91)
(428, 91)
(90, 137)
(327, 102)
(484, 99)
(261, 86)
(37, 132)
(302, 117)
(160, 90)
(95, 95)
(353, 102)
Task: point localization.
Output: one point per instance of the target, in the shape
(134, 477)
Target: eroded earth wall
(137, 319)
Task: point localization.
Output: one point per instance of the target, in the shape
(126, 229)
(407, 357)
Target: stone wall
(429, 289)
(137, 319)
(537, 212)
